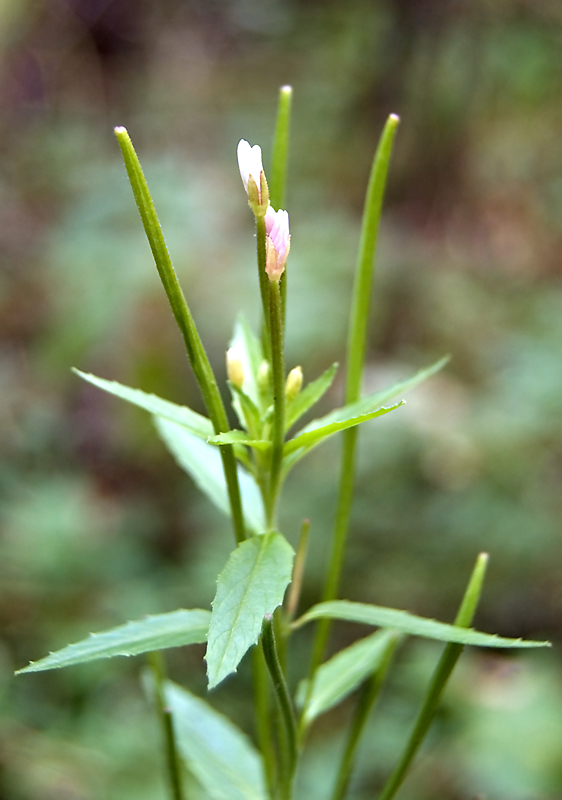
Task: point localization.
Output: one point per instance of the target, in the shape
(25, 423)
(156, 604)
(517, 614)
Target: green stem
(285, 707)
(263, 718)
(438, 681)
(158, 667)
(366, 701)
(280, 149)
(278, 376)
(194, 346)
(356, 345)
(264, 285)
(279, 167)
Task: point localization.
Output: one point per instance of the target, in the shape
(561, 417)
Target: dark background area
(98, 525)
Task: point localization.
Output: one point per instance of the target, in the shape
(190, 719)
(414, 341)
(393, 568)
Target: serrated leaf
(310, 395)
(182, 415)
(215, 751)
(239, 437)
(203, 462)
(251, 585)
(373, 401)
(249, 351)
(156, 632)
(313, 436)
(409, 623)
(344, 672)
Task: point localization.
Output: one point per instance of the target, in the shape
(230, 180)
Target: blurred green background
(98, 525)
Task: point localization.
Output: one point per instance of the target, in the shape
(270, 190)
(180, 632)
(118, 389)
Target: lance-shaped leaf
(251, 585)
(313, 436)
(246, 411)
(344, 672)
(248, 350)
(215, 751)
(310, 395)
(373, 401)
(408, 623)
(239, 437)
(202, 461)
(182, 415)
(156, 632)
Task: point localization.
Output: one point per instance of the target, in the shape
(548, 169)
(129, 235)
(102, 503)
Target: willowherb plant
(242, 472)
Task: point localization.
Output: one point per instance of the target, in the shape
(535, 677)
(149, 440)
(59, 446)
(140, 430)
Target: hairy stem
(278, 375)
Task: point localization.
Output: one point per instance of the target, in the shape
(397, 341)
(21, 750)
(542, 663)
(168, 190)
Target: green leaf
(372, 401)
(251, 585)
(249, 351)
(239, 437)
(344, 672)
(202, 461)
(157, 632)
(216, 752)
(408, 623)
(246, 411)
(310, 395)
(181, 415)
(312, 437)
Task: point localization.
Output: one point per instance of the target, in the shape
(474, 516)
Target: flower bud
(263, 377)
(253, 177)
(277, 242)
(294, 383)
(234, 369)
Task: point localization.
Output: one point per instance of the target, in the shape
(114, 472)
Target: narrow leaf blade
(310, 438)
(181, 415)
(310, 395)
(344, 672)
(239, 437)
(215, 751)
(409, 623)
(248, 350)
(156, 632)
(203, 463)
(373, 401)
(251, 585)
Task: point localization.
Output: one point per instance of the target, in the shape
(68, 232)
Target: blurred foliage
(98, 525)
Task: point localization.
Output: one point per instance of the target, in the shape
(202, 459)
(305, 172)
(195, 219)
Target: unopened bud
(263, 376)
(234, 369)
(294, 383)
(253, 177)
(277, 242)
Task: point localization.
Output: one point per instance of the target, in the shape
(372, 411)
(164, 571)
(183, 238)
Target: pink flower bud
(253, 176)
(277, 243)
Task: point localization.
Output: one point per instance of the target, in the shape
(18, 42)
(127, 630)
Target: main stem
(278, 377)
(264, 285)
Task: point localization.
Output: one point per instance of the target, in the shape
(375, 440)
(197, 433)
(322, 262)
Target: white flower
(278, 242)
(253, 176)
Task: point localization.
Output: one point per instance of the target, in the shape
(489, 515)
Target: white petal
(249, 162)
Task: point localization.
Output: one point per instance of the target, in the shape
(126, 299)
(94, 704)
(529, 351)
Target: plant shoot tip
(119, 129)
